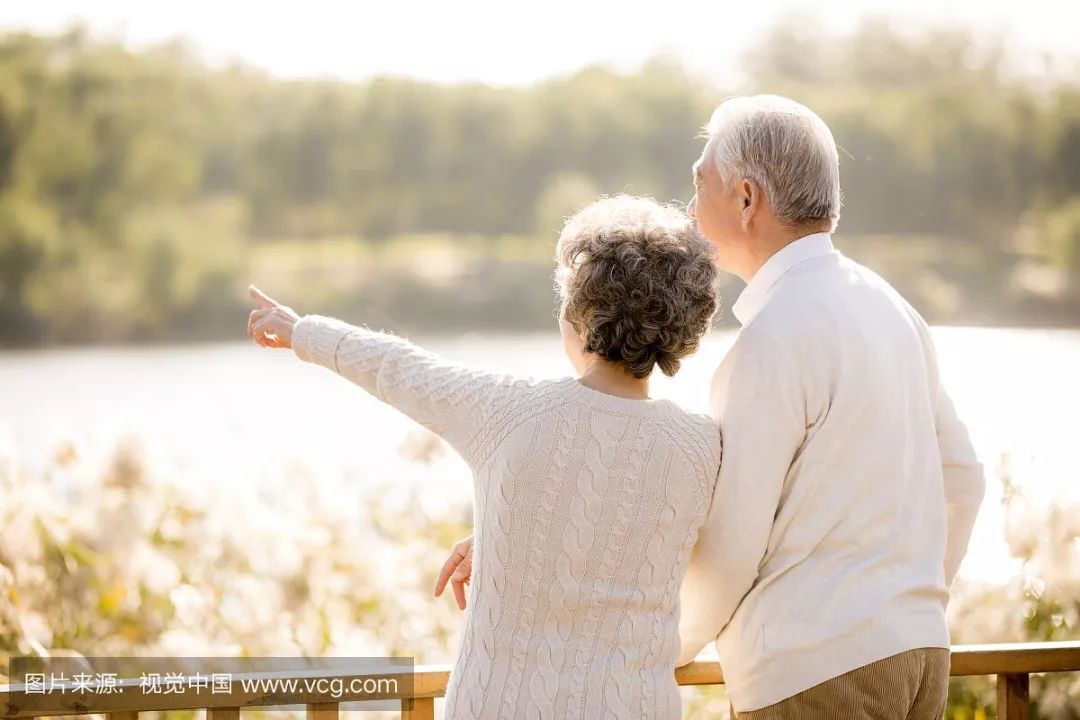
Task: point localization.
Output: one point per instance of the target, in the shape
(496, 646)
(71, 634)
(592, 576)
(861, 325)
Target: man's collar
(757, 290)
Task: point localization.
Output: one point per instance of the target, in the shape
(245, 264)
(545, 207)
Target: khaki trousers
(912, 685)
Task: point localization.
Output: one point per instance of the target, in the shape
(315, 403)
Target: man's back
(854, 566)
(830, 534)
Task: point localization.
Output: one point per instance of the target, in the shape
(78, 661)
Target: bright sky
(500, 42)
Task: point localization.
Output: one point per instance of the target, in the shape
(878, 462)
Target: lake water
(228, 413)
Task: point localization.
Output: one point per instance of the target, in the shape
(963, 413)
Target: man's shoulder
(836, 291)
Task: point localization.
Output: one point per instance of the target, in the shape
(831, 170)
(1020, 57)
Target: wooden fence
(416, 691)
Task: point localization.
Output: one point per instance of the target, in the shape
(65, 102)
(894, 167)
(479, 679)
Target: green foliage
(1059, 231)
(136, 187)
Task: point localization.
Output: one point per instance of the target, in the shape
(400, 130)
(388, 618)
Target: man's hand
(458, 570)
(272, 324)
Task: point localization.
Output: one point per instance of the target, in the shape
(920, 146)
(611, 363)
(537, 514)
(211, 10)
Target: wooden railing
(1012, 664)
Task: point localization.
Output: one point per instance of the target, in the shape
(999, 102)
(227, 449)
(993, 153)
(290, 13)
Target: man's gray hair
(785, 148)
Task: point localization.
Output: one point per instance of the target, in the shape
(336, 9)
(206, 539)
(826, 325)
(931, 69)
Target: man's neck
(768, 245)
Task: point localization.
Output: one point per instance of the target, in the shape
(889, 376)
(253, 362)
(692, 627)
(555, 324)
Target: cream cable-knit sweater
(587, 507)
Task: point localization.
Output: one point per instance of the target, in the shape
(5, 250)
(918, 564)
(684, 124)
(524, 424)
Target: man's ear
(749, 196)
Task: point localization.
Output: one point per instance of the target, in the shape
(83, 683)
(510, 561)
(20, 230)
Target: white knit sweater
(587, 507)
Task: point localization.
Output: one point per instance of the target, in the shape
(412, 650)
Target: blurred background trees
(141, 191)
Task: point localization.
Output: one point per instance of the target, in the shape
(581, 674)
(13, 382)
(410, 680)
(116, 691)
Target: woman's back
(588, 501)
(587, 508)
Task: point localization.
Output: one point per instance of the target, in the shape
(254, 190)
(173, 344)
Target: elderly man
(848, 487)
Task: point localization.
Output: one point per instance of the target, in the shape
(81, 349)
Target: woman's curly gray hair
(636, 282)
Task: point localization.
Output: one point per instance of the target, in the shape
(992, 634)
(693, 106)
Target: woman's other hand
(458, 570)
(272, 324)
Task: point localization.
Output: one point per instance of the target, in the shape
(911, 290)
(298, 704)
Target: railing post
(228, 713)
(418, 709)
(322, 711)
(1012, 697)
(123, 715)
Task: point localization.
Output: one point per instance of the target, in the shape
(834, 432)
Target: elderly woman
(589, 494)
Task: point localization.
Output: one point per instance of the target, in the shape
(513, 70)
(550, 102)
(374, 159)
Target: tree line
(135, 187)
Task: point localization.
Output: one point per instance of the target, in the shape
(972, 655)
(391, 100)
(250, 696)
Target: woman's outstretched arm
(453, 401)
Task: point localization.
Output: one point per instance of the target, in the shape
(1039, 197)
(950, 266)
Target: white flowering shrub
(124, 558)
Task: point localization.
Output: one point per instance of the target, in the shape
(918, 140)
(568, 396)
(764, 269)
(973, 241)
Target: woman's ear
(573, 344)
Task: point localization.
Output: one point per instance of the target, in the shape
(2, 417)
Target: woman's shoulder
(701, 430)
(696, 439)
(694, 433)
(521, 396)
